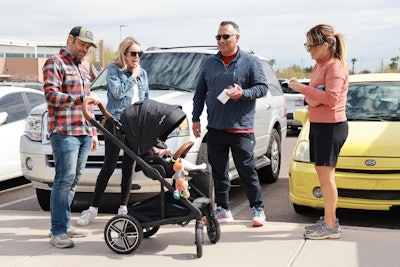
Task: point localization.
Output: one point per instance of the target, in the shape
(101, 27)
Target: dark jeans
(241, 145)
(110, 162)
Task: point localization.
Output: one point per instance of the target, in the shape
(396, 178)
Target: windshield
(373, 101)
(165, 71)
(173, 70)
(100, 82)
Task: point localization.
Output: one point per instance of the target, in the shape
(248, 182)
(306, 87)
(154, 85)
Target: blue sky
(273, 29)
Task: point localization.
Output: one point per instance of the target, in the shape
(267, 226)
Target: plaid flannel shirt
(66, 82)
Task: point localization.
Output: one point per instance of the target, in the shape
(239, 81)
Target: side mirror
(3, 117)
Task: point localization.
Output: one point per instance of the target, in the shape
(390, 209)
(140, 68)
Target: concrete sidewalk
(24, 242)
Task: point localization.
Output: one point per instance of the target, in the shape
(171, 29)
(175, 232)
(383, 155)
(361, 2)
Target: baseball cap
(83, 34)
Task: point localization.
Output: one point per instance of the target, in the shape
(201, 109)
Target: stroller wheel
(213, 229)
(199, 242)
(123, 234)
(149, 231)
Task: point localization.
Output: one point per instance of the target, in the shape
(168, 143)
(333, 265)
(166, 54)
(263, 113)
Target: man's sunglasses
(134, 53)
(225, 36)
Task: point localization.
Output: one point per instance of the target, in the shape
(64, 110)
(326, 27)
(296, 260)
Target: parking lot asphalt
(24, 241)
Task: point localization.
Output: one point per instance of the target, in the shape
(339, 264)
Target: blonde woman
(127, 83)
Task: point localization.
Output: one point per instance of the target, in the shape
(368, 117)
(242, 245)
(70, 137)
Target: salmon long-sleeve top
(331, 75)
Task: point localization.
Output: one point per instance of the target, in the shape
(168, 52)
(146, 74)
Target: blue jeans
(70, 156)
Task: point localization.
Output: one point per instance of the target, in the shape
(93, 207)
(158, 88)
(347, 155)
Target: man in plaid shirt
(66, 85)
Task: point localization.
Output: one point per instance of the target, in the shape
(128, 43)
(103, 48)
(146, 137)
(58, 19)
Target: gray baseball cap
(83, 34)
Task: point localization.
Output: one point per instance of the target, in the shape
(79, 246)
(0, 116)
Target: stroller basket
(149, 211)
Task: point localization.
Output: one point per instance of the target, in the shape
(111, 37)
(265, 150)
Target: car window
(14, 105)
(35, 100)
(274, 86)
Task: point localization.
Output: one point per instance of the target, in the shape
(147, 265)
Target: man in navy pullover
(229, 84)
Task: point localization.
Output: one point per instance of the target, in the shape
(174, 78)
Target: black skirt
(326, 140)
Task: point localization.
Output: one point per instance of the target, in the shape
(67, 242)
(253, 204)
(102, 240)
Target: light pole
(120, 30)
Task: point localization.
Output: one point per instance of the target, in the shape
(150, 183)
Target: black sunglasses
(134, 53)
(225, 36)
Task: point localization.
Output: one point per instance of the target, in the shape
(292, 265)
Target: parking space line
(17, 201)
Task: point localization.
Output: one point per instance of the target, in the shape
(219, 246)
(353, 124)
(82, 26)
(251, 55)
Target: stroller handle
(87, 101)
(182, 151)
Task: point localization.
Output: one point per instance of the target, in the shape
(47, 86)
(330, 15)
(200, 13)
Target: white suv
(294, 100)
(172, 75)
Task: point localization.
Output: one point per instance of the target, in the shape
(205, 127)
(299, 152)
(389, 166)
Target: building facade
(22, 60)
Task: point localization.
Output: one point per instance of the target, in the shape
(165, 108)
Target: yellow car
(368, 169)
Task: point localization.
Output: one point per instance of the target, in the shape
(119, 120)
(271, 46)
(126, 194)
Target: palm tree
(394, 64)
(353, 60)
(272, 62)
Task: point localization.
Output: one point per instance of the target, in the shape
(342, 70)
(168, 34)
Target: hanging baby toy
(181, 180)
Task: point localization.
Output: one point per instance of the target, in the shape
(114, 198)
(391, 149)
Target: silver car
(172, 76)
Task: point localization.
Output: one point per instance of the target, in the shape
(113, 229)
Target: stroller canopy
(146, 121)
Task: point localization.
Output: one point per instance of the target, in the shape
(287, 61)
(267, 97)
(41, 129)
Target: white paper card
(223, 97)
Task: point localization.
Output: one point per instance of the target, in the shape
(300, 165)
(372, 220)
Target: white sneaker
(123, 210)
(223, 215)
(61, 241)
(87, 216)
(76, 232)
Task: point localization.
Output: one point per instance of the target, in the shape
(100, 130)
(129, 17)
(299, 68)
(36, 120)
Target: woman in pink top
(326, 97)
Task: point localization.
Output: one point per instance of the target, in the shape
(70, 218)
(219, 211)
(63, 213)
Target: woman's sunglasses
(134, 53)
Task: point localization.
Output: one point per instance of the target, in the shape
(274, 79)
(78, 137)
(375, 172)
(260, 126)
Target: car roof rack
(211, 47)
(180, 47)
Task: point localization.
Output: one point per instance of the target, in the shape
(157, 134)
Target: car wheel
(203, 180)
(43, 197)
(202, 154)
(269, 174)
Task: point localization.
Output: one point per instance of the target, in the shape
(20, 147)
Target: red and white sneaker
(223, 215)
(258, 216)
